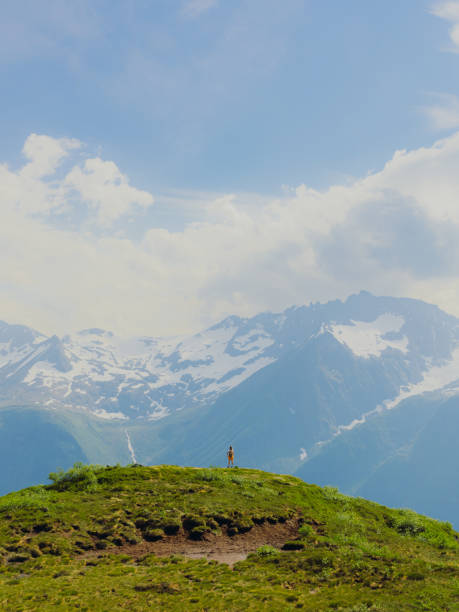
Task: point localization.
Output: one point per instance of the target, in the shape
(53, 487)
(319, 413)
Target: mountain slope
(373, 353)
(288, 406)
(424, 475)
(32, 443)
(91, 540)
(405, 457)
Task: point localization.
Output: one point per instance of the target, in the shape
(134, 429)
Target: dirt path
(222, 548)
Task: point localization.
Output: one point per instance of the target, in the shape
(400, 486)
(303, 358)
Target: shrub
(441, 541)
(407, 523)
(267, 551)
(211, 475)
(349, 521)
(332, 493)
(306, 531)
(409, 527)
(79, 477)
(242, 482)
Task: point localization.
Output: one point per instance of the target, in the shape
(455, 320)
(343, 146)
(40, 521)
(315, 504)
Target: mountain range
(361, 394)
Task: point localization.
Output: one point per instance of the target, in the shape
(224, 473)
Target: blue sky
(243, 96)
(173, 131)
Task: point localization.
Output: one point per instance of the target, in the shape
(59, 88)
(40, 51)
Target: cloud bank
(69, 261)
(450, 11)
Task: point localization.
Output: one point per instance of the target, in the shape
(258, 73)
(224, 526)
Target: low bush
(333, 494)
(212, 475)
(267, 551)
(408, 526)
(306, 531)
(80, 477)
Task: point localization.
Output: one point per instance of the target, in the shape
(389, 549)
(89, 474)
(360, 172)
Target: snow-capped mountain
(130, 378)
(291, 391)
(123, 378)
(359, 358)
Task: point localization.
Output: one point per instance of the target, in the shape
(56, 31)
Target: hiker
(230, 455)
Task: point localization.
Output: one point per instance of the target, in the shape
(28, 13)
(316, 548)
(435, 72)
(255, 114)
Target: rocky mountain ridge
(150, 378)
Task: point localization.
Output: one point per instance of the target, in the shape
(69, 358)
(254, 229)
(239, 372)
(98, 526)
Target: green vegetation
(82, 543)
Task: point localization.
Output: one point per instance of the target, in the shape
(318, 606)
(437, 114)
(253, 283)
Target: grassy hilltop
(92, 541)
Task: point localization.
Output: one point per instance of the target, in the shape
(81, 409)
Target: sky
(167, 163)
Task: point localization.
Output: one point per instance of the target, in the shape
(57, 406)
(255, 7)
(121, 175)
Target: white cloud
(194, 8)
(27, 190)
(447, 10)
(444, 115)
(45, 154)
(393, 232)
(102, 185)
(35, 189)
(450, 11)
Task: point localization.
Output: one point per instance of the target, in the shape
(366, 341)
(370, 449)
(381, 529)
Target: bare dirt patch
(222, 548)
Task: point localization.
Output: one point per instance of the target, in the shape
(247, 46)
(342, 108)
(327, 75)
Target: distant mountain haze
(362, 394)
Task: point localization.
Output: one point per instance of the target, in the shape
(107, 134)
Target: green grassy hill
(88, 542)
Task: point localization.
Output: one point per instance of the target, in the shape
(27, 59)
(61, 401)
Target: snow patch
(435, 378)
(104, 366)
(158, 413)
(368, 339)
(255, 340)
(110, 416)
(35, 354)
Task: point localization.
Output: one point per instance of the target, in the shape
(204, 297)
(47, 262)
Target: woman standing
(230, 455)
